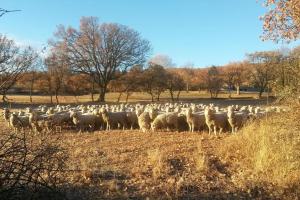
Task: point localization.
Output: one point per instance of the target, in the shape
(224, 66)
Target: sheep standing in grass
(99, 123)
(84, 121)
(195, 121)
(236, 119)
(215, 120)
(145, 118)
(114, 119)
(258, 113)
(57, 120)
(165, 121)
(19, 122)
(132, 119)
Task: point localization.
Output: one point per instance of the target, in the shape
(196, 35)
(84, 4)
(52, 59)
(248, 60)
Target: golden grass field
(135, 97)
(23, 101)
(262, 161)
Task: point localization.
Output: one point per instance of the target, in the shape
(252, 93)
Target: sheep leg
(190, 128)
(220, 131)
(236, 129)
(81, 129)
(215, 130)
(92, 127)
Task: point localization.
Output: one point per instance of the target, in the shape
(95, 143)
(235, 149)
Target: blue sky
(202, 32)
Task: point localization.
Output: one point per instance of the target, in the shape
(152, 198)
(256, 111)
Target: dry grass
(159, 165)
(268, 152)
(135, 97)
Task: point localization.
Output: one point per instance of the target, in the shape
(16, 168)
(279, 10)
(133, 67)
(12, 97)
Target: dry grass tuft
(155, 162)
(268, 151)
(200, 159)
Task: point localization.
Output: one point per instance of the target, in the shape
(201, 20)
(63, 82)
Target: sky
(198, 32)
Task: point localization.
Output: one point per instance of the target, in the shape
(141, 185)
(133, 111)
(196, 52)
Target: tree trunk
(31, 85)
(127, 96)
(76, 100)
(92, 91)
(119, 97)
(216, 94)
(30, 96)
(4, 98)
(187, 87)
(238, 90)
(229, 92)
(260, 93)
(158, 95)
(51, 98)
(56, 97)
(172, 95)
(31, 88)
(102, 93)
(178, 94)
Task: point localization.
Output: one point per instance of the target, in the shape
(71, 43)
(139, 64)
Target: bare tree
(262, 69)
(57, 70)
(128, 82)
(214, 81)
(228, 77)
(30, 165)
(154, 81)
(174, 84)
(100, 50)
(77, 84)
(234, 76)
(14, 61)
(4, 11)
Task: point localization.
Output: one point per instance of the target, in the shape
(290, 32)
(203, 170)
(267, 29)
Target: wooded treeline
(97, 58)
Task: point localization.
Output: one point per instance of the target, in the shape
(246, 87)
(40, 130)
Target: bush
(31, 167)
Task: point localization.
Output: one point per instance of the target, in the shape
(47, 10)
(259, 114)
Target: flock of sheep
(150, 117)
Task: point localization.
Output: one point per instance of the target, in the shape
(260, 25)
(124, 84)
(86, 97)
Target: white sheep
(215, 120)
(236, 119)
(83, 121)
(145, 118)
(19, 122)
(166, 120)
(114, 119)
(195, 121)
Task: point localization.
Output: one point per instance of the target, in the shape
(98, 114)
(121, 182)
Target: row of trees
(266, 71)
(100, 56)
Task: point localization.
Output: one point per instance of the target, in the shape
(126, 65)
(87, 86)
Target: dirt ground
(163, 165)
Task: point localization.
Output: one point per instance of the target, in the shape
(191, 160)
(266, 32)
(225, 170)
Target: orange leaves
(282, 21)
